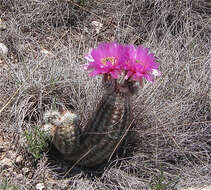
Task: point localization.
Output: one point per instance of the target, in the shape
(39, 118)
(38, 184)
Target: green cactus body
(66, 138)
(103, 132)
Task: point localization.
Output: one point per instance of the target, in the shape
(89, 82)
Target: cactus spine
(104, 131)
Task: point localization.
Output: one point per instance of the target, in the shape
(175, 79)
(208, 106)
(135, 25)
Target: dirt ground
(42, 48)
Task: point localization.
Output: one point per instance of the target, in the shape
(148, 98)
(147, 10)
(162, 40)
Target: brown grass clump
(43, 69)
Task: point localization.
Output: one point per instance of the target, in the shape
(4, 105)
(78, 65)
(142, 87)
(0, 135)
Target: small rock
(19, 176)
(25, 170)
(3, 50)
(2, 25)
(40, 186)
(19, 159)
(97, 25)
(6, 163)
(46, 52)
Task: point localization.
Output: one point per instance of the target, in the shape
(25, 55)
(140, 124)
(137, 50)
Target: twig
(121, 139)
(78, 161)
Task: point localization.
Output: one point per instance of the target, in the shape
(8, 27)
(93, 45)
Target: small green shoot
(5, 185)
(161, 183)
(37, 142)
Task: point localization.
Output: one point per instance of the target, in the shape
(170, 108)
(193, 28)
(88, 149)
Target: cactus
(112, 119)
(104, 131)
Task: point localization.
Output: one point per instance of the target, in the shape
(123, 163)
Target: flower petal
(106, 58)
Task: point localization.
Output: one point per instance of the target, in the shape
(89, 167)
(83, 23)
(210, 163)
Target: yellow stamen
(110, 59)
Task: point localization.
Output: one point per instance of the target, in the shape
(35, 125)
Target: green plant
(37, 142)
(160, 182)
(5, 185)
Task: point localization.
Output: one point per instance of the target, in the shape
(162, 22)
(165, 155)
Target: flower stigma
(139, 62)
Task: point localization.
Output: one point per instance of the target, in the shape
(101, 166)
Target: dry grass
(47, 41)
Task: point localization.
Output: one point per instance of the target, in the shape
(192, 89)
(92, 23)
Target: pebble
(97, 25)
(40, 186)
(3, 50)
(19, 159)
(2, 25)
(25, 170)
(46, 52)
(19, 176)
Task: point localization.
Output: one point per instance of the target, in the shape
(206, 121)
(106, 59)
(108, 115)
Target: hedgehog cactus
(62, 130)
(112, 119)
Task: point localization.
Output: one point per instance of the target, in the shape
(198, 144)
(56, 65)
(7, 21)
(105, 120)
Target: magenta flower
(141, 64)
(113, 58)
(107, 58)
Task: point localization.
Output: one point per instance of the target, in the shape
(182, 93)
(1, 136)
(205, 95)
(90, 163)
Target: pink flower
(106, 58)
(112, 58)
(141, 64)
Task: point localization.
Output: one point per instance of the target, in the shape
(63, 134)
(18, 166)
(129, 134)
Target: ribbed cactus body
(104, 131)
(67, 138)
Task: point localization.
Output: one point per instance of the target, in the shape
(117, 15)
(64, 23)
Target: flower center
(112, 60)
(139, 62)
